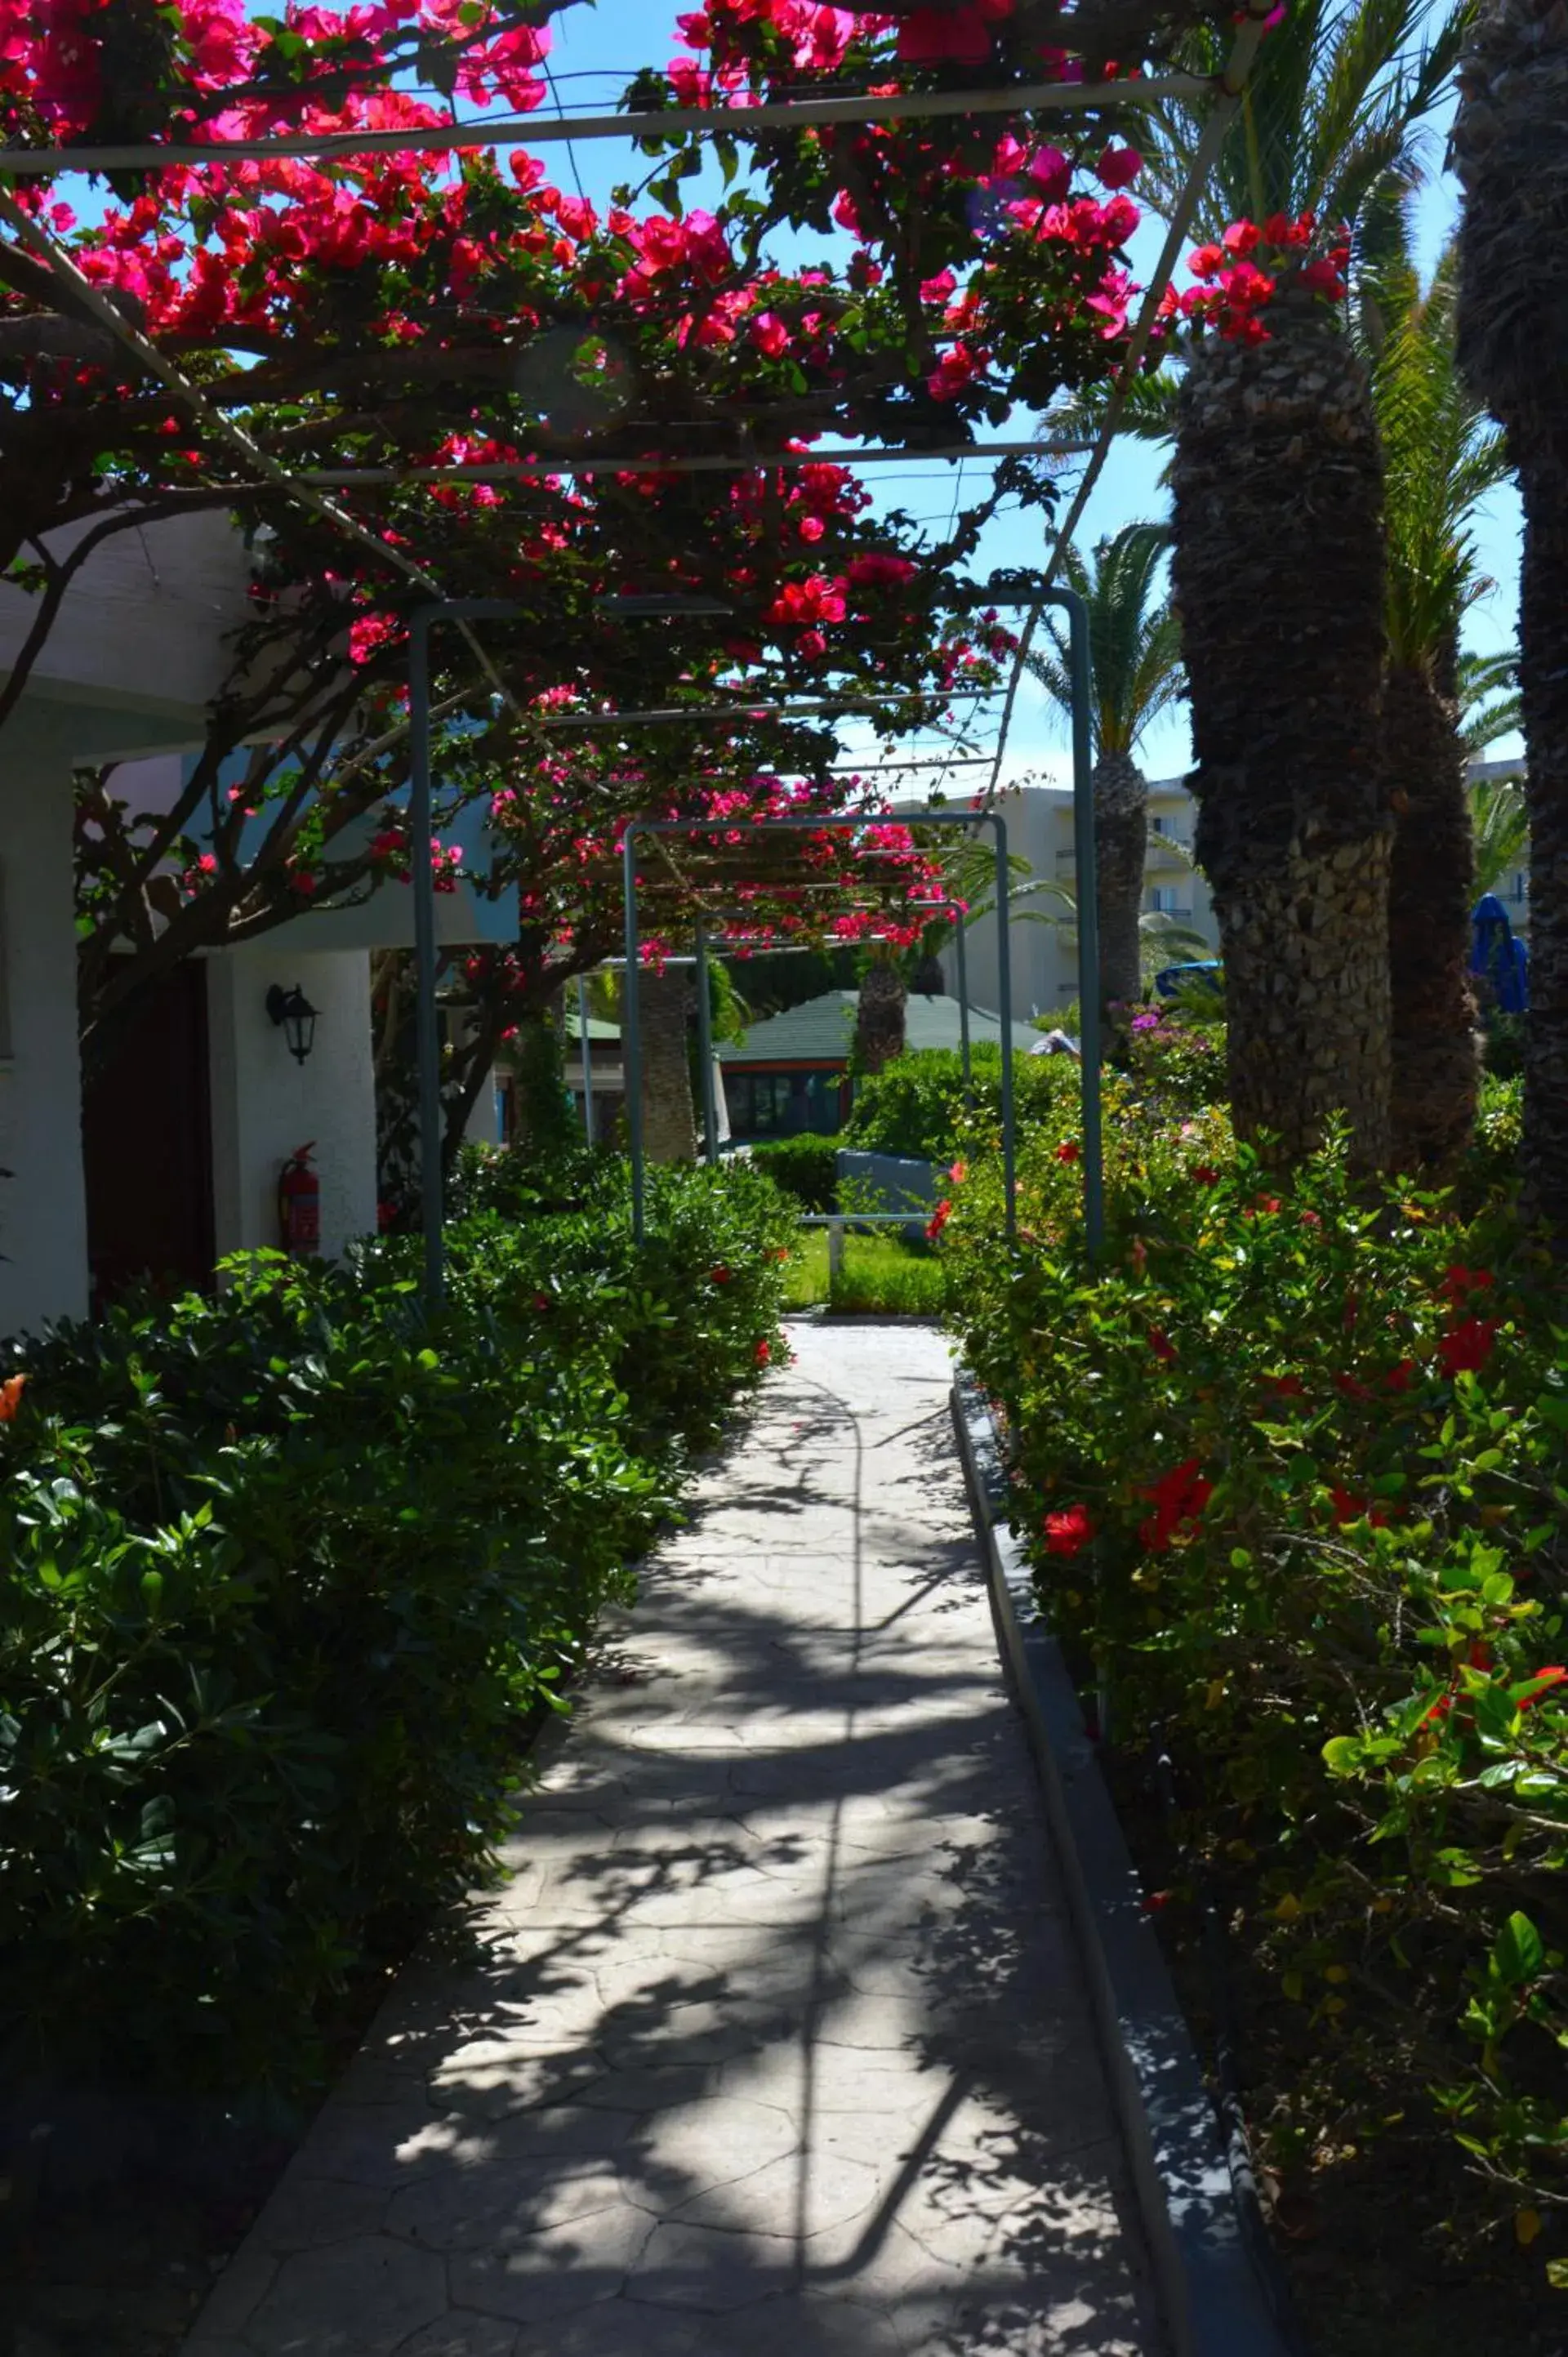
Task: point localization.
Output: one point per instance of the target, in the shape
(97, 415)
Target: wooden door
(146, 1135)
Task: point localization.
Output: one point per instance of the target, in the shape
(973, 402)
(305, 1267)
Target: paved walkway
(773, 2045)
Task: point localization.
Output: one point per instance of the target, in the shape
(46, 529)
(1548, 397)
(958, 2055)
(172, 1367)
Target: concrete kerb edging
(1213, 2303)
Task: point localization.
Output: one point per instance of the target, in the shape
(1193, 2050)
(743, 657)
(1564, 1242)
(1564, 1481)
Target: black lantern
(295, 1013)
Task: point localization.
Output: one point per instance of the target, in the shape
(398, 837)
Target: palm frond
(1134, 647)
(1499, 818)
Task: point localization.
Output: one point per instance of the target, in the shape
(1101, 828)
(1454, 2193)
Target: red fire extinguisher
(299, 1202)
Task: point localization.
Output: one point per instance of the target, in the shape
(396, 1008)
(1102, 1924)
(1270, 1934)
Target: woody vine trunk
(879, 1026)
(1510, 145)
(1278, 576)
(1436, 1066)
(1120, 841)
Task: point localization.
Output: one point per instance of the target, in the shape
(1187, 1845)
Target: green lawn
(882, 1275)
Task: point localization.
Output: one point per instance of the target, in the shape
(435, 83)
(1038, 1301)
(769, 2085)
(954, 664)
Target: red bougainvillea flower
(1179, 1497)
(1466, 1346)
(1540, 1685)
(1068, 1151)
(1160, 1343)
(719, 1273)
(11, 1392)
(938, 1220)
(1400, 1378)
(763, 1352)
(1068, 1532)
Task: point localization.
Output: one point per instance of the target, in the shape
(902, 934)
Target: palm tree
(1510, 144)
(1278, 574)
(879, 1034)
(1134, 654)
(1440, 458)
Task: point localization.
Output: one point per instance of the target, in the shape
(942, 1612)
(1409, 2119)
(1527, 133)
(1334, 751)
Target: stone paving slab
(772, 2043)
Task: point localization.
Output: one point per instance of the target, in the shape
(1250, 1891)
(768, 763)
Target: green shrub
(287, 1572)
(917, 1105)
(806, 1167)
(1294, 1466)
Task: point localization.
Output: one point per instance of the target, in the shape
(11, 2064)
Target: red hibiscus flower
(1162, 1346)
(1459, 1282)
(1540, 1685)
(1068, 1532)
(719, 1273)
(1466, 1346)
(1068, 1151)
(1205, 1175)
(1179, 1497)
(763, 1352)
(938, 1220)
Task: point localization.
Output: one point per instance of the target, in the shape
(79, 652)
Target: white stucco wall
(264, 1104)
(43, 1205)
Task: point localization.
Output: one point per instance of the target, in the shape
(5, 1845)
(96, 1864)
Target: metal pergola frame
(796, 823)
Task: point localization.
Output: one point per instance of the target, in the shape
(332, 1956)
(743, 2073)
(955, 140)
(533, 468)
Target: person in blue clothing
(1499, 961)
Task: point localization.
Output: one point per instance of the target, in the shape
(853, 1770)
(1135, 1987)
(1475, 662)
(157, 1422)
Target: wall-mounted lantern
(298, 1017)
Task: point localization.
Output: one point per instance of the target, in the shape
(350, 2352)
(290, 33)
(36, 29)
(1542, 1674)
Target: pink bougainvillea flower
(959, 1173)
(1118, 167)
(1068, 1532)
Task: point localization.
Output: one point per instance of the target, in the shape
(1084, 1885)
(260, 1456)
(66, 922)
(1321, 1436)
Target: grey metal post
(1005, 1016)
(631, 1039)
(963, 1003)
(587, 1059)
(705, 1050)
(1087, 889)
(427, 1035)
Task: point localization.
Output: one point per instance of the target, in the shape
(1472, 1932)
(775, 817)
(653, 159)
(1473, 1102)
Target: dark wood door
(147, 1135)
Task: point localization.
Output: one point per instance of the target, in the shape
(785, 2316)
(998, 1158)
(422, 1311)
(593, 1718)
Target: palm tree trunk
(1278, 574)
(669, 1122)
(1120, 840)
(1544, 685)
(1437, 1066)
(1510, 144)
(879, 1016)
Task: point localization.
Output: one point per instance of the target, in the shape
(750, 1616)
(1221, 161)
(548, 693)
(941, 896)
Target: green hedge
(806, 1167)
(916, 1105)
(287, 1571)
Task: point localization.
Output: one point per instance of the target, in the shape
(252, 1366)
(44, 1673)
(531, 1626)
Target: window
(1519, 887)
(1161, 897)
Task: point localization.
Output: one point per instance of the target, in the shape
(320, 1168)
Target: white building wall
(265, 1104)
(43, 1204)
(1045, 956)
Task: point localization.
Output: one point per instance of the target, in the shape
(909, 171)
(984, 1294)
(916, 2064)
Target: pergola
(313, 489)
